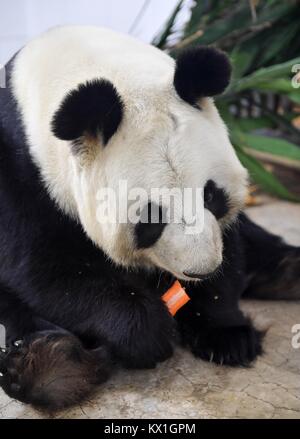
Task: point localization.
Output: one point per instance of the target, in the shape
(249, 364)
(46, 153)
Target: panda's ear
(201, 72)
(92, 109)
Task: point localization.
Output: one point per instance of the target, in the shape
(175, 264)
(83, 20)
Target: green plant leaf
(279, 85)
(263, 52)
(243, 59)
(273, 44)
(161, 39)
(238, 20)
(264, 75)
(295, 96)
(206, 12)
(248, 124)
(264, 178)
(232, 18)
(271, 145)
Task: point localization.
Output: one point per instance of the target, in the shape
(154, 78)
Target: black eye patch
(216, 199)
(151, 226)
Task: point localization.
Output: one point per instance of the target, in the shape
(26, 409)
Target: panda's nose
(200, 276)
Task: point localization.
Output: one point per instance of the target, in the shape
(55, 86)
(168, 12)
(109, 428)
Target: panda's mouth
(199, 276)
(189, 276)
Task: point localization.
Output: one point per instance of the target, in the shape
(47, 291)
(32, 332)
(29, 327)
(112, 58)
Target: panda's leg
(224, 336)
(16, 320)
(123, 313)
(272, 266)
(211, 324)
(43, 364)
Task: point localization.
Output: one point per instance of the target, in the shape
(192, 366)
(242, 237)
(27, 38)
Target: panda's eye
(208, 197)
(197, 106)
(216, 200)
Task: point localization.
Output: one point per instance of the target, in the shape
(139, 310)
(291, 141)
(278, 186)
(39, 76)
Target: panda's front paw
(146, 356)
(10, 358)
(148, 342)
(233, 346)
(52, 370)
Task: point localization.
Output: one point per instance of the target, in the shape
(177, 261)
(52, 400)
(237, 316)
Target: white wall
(20, 20)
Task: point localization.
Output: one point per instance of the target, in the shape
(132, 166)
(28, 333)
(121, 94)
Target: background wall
(20, 20)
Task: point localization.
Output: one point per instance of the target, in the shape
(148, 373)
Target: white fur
(161, 142)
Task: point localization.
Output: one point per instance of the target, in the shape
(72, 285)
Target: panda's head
(167, 136)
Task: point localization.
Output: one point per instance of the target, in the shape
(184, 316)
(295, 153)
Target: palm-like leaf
(262, 40)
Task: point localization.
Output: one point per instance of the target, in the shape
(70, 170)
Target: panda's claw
(232, 346)
(18, 343)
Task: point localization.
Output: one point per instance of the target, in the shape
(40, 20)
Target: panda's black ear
(201, 72)
(93, 108)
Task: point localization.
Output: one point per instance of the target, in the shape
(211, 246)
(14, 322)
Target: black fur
(216, 200)
(272, 265)
(201, 72)
(148, 231)
(77, 313)
(53, 369)
(94, 107)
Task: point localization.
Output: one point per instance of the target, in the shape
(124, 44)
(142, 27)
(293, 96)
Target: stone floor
(185, 387)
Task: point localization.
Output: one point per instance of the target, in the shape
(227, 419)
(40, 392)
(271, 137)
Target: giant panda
(84, 108)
